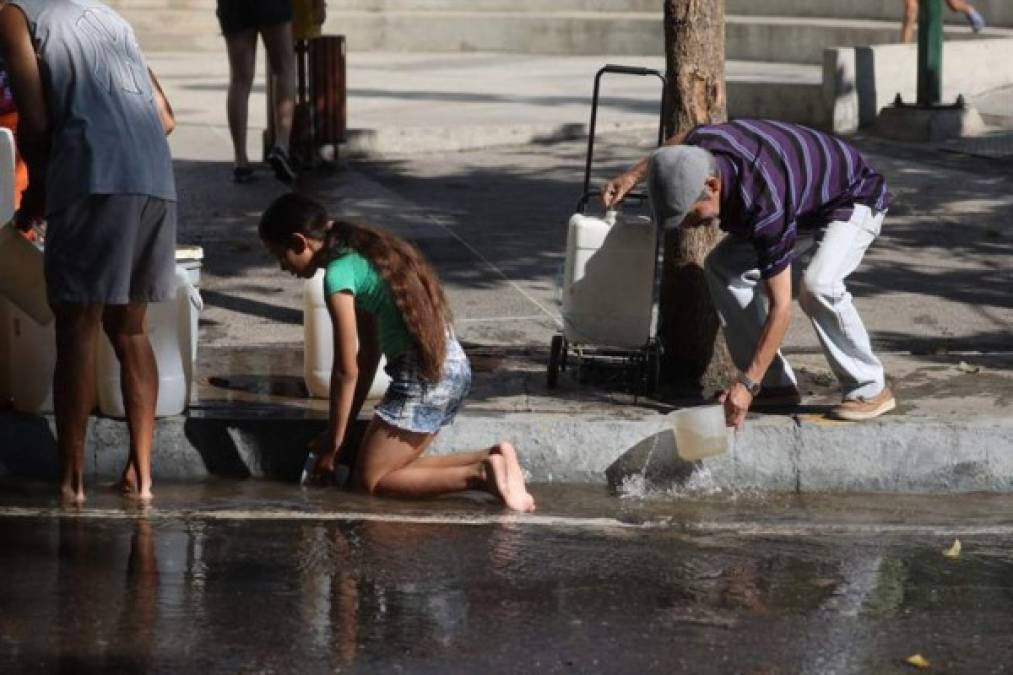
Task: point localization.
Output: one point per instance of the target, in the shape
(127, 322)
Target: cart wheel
(652, 369)
(563, 359)
(556, 353)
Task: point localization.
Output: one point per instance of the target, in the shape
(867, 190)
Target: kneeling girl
(383, 297)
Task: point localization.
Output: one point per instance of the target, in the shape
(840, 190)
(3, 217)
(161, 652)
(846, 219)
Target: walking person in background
(788, 196)
(92, 126)
(907, 26)
(242, 22)
(383, 297)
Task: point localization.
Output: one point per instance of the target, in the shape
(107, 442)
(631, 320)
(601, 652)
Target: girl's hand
(325, 466)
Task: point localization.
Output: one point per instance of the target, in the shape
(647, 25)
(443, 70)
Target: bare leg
(124, 324)
(242, 51)
(907, 26)
(74, 391)
(959, 6)
(281, 60)
(390, 464)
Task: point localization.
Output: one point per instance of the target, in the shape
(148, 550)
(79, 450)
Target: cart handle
(621, 70)
(631, 197)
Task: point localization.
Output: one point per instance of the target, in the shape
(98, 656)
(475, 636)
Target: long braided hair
(413, 283)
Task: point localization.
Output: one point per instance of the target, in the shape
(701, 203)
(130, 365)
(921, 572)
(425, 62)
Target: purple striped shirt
(778, 178)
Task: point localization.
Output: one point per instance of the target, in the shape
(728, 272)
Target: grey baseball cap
(675, 180)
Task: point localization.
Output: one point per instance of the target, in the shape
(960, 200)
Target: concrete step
(773, 38)
(998, 13)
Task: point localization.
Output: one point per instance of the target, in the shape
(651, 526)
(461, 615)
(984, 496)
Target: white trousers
(828, 256)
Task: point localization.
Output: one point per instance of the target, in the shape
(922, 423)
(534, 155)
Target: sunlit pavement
(267, 577)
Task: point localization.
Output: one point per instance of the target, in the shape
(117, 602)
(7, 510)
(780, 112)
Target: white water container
(171, 327)
(8, 156)
(190, 259)
(318, 347)
(5, 352)
(22, 280)
(32, 359)
(608, 280)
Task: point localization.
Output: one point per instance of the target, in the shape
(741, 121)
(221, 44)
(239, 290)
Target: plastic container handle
(195, 298)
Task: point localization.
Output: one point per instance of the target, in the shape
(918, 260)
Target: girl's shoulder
(349, 271)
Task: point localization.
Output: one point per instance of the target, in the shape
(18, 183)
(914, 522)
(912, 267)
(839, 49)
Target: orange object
(9, 120)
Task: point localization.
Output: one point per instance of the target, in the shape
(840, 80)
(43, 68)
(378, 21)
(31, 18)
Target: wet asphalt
(251, 576)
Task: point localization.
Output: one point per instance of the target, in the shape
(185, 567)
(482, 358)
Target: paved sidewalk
(934, 292)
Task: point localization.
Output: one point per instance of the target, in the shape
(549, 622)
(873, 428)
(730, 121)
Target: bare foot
(128, 483)
(71, 497)
(499, 484)
(515, 474)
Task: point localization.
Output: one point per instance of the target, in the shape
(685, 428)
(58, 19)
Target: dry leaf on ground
(953, 551)
(918, 661)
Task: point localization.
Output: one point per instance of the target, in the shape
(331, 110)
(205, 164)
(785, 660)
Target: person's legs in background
(242, 51)
(77, 329)
(907, 26)
(124, 325)
(281, 60)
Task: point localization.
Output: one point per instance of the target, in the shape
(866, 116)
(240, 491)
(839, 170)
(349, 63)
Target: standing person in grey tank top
(92, 129)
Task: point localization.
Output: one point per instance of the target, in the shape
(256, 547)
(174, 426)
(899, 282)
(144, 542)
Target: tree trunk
(695, 354)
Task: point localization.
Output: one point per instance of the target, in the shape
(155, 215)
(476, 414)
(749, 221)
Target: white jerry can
(318, 348)
(171, 327)
(32, 359)
(608, 280)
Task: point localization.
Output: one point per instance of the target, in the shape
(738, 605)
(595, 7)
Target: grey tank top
(106, 132)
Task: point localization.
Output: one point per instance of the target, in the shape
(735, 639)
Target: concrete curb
(631, 454)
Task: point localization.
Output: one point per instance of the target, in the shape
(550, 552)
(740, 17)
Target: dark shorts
(111, 250)
(239, 16)
(414, 404)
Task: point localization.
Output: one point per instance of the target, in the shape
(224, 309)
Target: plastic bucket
(700, 432)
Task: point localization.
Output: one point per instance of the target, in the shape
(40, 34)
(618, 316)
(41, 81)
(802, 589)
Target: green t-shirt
(354, 273)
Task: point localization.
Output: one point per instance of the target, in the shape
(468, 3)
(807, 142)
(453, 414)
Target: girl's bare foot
(515, 474)
(499, 484)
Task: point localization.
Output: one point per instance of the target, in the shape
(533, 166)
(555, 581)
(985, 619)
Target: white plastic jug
(22, 279)
(318, 347)
(608, 280)
(32, 361)
(8, 156)
(5, 352)
(700, 432)
(171, 328)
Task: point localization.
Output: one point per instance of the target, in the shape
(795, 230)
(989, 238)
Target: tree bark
(695, 354)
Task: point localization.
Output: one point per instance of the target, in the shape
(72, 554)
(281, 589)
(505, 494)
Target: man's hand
(736, 400)
(613, 191)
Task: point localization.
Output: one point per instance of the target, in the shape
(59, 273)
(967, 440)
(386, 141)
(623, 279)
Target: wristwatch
(751, 386)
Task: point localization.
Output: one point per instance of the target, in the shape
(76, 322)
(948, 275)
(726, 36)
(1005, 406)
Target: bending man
(789, 197)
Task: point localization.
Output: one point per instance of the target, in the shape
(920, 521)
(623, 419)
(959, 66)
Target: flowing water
(260, 577)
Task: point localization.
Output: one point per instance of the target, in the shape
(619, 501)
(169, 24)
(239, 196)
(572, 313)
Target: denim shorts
(413, 404)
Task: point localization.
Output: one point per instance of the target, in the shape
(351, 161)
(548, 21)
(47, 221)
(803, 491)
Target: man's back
(107, 137)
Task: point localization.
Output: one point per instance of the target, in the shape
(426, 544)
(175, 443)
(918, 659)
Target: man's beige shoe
(858, 409)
